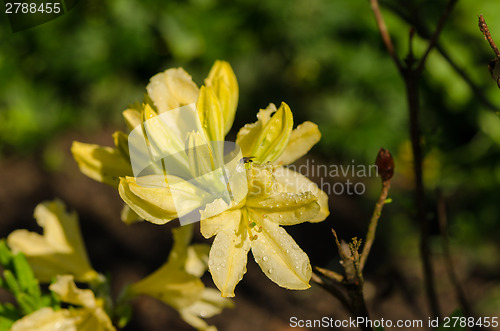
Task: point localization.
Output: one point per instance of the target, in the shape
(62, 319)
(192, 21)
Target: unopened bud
(385, 164)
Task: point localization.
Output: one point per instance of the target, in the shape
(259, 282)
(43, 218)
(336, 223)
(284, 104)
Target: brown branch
(372, 227)
(484, 29)
(385, 34)
(436, 34)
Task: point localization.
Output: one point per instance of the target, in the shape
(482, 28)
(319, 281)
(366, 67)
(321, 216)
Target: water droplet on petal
(265, 258)
(270, 270)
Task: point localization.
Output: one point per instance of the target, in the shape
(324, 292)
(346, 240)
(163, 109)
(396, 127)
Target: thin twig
(435, 35)
(385, 34)
(372, 227)
(484, 29)
(424, 33)
(330, 274)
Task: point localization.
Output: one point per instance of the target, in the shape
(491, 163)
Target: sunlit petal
(104, 164)
(291, 181)
(228, 256)
(302, 139)
(279, 257)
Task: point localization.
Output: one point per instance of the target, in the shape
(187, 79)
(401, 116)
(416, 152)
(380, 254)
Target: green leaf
(11, 282)
(27, 303)
(6, 323)
(5, 254)
(8, 311)
(26, 278)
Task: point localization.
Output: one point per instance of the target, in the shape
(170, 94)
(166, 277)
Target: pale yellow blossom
(60, 250)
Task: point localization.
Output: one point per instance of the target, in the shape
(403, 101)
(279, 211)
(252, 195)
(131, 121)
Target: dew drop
(270, 270)
(265, 258)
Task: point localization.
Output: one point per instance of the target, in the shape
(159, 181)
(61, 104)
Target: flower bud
(385, 164)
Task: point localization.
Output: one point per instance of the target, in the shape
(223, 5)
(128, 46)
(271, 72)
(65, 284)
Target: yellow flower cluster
(273, 195)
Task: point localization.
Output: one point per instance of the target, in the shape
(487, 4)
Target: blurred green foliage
(325, 58)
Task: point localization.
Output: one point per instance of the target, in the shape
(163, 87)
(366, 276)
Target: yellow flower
(256, 225)
(60, 250)
(260, 196)
(89, 316)
(177, 282)
(264, 142)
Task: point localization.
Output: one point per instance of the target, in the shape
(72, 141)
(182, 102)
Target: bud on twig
(385, 164)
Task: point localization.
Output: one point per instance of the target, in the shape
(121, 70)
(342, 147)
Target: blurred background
(70, 79)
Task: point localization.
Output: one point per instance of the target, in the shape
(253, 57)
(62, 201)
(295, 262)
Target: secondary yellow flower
(60, 250)
(177, 282)
(88, 315)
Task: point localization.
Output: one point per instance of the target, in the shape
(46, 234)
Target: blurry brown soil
(393, 285)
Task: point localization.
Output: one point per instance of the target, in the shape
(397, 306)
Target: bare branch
(435, 36)
(385, 34)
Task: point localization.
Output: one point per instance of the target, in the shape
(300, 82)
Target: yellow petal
(279, 257)
(223, 81)
(155, 205)
(67, 291)
(171, 89)
(290, 181)
(121, 144)
(160, 139)
(285, 208)
(104, 164)
(176, 288)
(267, 142)
(91, 317)
(211, 226)
(46, 319)
(210, 114)
(132, 118)
(92, 320)
(200, 158)
(248, 135)
(228, 256)
(197, 259)
(60, 250)
(302, 139)
(211, 303)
